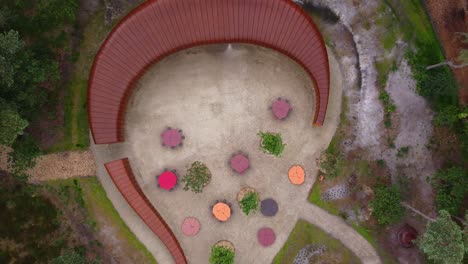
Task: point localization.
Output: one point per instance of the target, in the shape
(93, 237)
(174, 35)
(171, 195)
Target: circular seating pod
(269, 207)
(159, 28)
(191, 226)
(266, 236)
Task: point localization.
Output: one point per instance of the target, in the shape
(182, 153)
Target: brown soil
(225, 244)
(74, 218)
(449, 17)
(243, 192)
(389, 240)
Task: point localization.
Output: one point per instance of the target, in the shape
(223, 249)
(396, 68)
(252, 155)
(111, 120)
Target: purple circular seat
(266, 236)
(269, 207)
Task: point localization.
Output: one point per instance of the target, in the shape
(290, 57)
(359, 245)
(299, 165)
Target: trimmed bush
(272, 143)
(197, 177)
(221, 255)
(249, 203)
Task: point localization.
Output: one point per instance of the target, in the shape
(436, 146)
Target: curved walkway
(337, 228)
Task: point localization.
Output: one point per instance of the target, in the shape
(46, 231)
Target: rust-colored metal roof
(122, 176)
(159, 28)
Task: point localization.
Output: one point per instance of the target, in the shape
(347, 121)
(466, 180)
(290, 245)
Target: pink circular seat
(190, 226)
(266, 236)
(240, 163)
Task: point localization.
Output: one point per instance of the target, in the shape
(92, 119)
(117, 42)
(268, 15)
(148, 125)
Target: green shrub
(389, 108)
(451, 186)
(25, 151)
(334, 165)
(221, 255)
(272, 143)
(197, 177)
(386, 205)
(249, 204)
(403, 151)
(381, 163)
(69, 257)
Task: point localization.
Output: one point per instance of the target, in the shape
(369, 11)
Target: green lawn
(314, 198)
(97, 203)
(304, 234)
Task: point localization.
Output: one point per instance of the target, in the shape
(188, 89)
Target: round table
(221, 211)
(296, 175)
(240, 163)
(171, 137)
(190, 226)
(167, 180)
(281, 108)
(269, 207)
(266, 236)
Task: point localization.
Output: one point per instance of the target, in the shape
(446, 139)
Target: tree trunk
(449, 63)
(409, 207)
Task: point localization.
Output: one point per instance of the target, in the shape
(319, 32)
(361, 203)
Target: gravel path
(62, 165)
(338, 229)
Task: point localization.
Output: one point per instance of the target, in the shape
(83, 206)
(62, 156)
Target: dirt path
(62, 165)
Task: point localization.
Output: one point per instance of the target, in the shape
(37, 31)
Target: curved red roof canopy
(159, 28)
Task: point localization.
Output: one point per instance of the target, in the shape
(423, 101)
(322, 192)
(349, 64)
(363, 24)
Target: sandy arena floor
(219, 96)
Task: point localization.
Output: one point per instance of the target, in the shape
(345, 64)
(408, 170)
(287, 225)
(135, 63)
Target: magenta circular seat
(266, 236)
(190, 226)
(171, 137)
(240, 163)
(167, 180)
(281, 108)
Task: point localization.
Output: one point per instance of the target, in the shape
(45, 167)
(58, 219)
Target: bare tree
(462, 57)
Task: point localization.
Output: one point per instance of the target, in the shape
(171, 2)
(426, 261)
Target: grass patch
(387, 20)
(389, 108)
(363, 168)
(366, 234)
(414, 21)
(403, 152)
(384, 67)
(304, 234)
(76, 127)
(97, 202)
(314, 197)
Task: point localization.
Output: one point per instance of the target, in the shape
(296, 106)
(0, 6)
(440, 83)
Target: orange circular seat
(221, 211)
(296, 175)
